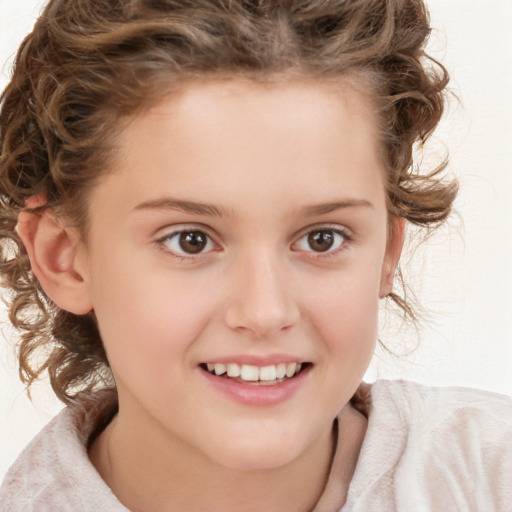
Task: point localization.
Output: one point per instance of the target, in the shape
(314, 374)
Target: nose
(262, 302)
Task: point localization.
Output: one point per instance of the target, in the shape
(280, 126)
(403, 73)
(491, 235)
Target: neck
(161, 473)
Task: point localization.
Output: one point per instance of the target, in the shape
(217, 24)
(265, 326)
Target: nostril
(263, 308)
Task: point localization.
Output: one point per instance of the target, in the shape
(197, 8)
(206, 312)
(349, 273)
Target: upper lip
(256, 360)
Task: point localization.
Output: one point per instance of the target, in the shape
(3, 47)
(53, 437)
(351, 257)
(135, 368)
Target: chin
(258, 462)
(254, 455)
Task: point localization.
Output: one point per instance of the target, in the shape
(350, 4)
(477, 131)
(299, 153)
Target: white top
(426, 449)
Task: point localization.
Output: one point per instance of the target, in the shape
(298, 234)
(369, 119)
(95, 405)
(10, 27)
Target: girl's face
(243, 228)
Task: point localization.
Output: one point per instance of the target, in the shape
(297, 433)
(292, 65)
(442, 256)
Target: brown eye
(188, 242)
(193, 242)
(321, 241)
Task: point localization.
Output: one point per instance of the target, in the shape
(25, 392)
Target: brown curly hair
(88, 64)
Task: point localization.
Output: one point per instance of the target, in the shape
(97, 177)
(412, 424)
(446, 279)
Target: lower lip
(254, 394)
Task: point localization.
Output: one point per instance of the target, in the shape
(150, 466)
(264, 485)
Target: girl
(202, 204)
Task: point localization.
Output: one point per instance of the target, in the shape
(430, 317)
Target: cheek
(346, 318)
(150, 319)
(347, 301)
(349, 328)
(344, 315)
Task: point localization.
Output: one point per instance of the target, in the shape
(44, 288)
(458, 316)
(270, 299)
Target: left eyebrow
(324, 208)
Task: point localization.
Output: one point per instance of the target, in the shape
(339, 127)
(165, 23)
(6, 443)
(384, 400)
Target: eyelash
(163, 242)
(338, 232)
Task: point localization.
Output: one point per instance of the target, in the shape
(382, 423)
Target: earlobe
(53, 250)
(392, 256)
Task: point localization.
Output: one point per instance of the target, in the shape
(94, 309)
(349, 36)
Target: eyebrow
(193, 207)
(324, 208)
(169, 203)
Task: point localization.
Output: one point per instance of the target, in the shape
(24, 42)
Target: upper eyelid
(323, 226)
(163, 234)
(346, 233)
(160, 241)
(179, 228)
(168, 231)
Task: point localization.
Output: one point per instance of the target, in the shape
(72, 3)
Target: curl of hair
(88, 64)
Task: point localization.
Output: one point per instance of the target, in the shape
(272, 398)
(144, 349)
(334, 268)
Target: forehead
(237, 139)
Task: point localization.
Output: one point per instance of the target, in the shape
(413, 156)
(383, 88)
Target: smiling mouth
(256, 375)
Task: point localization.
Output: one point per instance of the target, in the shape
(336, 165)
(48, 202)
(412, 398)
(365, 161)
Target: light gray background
(462, 276)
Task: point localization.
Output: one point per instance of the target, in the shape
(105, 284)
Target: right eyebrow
(169, 203)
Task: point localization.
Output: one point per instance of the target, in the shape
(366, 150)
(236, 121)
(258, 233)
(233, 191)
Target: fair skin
(279, 188)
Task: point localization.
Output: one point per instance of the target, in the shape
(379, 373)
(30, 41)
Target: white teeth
(253, 373)
(291, 368)
(281, 370)
(233, 370)
(249, 372)
(268, 373)
(220, 368)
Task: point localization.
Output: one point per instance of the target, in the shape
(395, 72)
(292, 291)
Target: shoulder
(437, 448)
(54, 471)
(406, 401)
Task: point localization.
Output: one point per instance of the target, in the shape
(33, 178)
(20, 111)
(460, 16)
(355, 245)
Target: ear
(392, 256)
(54, 250)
